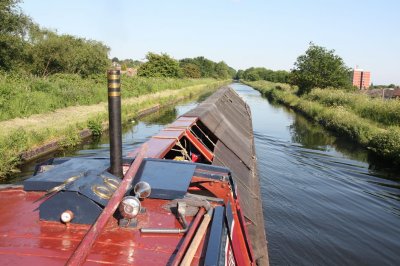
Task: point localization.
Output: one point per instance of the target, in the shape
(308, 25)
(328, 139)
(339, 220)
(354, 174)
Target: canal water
(323, 202)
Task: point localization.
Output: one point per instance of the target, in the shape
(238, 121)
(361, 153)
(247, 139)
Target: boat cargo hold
(190, 195)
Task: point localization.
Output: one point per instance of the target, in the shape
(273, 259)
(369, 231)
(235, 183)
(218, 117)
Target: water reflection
(325, 201)
(313, 136)
(309, 135)
(162, 117)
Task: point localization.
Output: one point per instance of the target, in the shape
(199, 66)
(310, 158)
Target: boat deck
(26, 240)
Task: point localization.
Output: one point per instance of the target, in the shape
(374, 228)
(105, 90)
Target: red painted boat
(189, 196)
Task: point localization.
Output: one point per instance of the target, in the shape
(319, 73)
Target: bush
(160, 66)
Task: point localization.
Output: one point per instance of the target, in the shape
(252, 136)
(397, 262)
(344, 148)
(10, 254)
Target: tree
(13, 29)
(319, 67)
(239, 74)
(160, 66)
(191, 70)
(221, 70)
(131, 63)
(261, 73)
(52, 53)
(210, 69)
(253, 76)
(24, 46)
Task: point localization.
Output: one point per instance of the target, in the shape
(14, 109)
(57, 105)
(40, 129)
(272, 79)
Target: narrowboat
(188, 196)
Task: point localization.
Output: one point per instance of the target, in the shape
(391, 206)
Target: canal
(324, 204)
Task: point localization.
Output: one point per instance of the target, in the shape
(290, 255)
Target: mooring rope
(204, 134)
(183, 150)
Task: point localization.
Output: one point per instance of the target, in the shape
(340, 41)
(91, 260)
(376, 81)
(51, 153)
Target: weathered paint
(83, 250)
(26, 240)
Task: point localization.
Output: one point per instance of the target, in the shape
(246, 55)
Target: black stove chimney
(114, 117)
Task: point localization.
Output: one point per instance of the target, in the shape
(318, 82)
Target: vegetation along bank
(64, 126)
(53, 86)
(373, 123)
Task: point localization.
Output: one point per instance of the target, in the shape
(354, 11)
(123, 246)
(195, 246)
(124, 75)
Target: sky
(243, 33)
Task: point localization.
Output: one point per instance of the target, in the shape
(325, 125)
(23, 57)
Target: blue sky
(243, 33)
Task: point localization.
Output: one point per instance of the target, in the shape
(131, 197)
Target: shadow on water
(163, 117)
(325, 200)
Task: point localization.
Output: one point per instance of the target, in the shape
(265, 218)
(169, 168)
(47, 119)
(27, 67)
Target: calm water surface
(323, 203)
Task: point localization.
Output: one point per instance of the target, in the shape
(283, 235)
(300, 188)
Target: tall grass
(386, 112)
(366, 121)
(22, 96)
(66, 130)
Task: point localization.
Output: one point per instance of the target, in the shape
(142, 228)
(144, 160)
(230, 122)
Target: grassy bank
(22, 96)
(372, 123)
(64, 125)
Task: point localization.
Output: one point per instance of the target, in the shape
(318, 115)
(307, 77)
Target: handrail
(82, 251)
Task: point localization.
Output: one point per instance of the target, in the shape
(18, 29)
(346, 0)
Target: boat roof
(228, 132)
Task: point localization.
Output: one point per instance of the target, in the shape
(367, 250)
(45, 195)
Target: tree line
(261, 73)
(25, 47)
(162, 65)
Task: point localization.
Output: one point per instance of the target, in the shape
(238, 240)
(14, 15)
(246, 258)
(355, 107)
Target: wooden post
(187, 260)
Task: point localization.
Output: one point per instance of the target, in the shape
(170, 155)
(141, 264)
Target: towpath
(62, 118)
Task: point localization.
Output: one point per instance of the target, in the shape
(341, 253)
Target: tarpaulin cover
(228, 117)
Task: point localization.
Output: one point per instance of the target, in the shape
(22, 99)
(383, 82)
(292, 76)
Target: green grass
(64, 125)
(22, 96)
(372, 123)
(386, 112)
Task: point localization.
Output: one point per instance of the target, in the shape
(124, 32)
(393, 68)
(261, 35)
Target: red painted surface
(183, 122)
(160, 144)
(25, 240)
(83, 250)
(172, 134)
(158, 148)
(203, 150)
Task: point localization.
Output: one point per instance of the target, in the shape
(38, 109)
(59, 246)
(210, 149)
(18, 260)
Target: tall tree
(319, 67)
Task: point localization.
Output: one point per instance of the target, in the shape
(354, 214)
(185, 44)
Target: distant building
(130, 71)
(361, 78)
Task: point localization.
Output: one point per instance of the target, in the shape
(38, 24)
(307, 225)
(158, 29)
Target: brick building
(361, 78)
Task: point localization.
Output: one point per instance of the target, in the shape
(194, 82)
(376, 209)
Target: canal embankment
(26, 138)
(373, 123)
